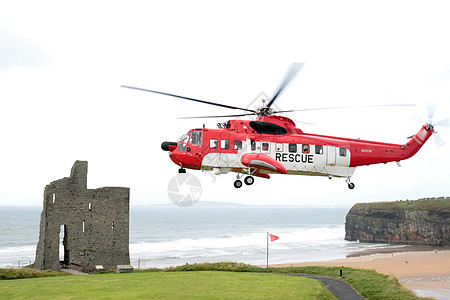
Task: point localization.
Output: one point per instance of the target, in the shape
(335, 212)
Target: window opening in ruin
(63, 247)
(112, 225)
(53, 197)
(84, 225)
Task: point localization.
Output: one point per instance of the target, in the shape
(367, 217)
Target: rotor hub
(430, 127)
(264, 111)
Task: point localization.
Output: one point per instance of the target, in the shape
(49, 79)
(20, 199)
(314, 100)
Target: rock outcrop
(419, 222)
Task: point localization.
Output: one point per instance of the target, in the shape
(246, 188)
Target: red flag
(273, 237)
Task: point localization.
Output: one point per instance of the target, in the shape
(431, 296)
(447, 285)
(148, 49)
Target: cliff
(420, 222)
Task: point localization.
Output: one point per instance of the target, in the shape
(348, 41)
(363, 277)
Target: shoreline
(396, 249)
(425, 270)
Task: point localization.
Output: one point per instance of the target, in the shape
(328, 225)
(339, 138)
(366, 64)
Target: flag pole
(267, 241)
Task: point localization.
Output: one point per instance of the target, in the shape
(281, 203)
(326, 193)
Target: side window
(279, 147)
(319, 149)
(265, 146)
(293, 148)
(253, 145)
(342, 152)
(224, 144)
(196, 138)
(305, 149)
(238, 145)
(213, 143)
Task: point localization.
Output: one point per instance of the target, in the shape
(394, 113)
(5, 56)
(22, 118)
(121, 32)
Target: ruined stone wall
(400, 224)
(96, 223)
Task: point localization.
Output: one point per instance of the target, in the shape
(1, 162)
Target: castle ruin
(93, 224)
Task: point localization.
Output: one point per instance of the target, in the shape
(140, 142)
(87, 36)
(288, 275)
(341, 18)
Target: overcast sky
(62, 64)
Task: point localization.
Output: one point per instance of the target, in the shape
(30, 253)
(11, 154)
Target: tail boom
(368, 153)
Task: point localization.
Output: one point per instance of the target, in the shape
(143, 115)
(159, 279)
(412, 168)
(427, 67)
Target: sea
(168, 235)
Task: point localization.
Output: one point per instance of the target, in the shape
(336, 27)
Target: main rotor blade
(204, 117)
(186, 98)
(343, 107)
(292, 72)
(312, 124)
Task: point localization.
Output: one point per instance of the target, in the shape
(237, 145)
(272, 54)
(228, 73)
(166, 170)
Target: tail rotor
(431, 109)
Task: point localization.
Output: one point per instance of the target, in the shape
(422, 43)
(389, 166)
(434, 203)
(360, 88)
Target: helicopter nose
(169, 146)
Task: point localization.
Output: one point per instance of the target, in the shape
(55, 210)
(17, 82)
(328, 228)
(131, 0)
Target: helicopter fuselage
(273, 145)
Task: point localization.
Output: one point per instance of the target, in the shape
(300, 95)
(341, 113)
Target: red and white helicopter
(272, 144)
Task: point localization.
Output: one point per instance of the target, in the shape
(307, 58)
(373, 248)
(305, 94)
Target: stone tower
(92, 223)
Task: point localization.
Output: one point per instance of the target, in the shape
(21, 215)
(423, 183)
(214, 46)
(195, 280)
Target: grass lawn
(166, 285)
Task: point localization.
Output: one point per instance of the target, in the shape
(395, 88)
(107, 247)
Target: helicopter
(272, 144)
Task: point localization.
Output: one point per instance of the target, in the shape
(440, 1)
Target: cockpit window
(185, 136)
(182, 142)
(196, 138)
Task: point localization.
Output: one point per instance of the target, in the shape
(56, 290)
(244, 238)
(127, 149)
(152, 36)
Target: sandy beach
(427, 273)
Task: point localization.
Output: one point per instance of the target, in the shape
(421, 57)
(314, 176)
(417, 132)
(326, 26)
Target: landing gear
(181, 170)
(237, 183)
(351, 185)
(249, 180)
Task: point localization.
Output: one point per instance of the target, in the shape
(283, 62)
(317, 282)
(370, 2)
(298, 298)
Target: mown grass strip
(167, 285)
(368, 283)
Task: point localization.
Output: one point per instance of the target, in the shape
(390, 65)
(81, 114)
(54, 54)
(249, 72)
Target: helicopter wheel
(249, 180)
(181, 170)
(238, 184)
(351, 185)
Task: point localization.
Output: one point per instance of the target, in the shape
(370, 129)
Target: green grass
(6, 274)
(436, 204)
(167, 285)
(225, 280)
(368, 283)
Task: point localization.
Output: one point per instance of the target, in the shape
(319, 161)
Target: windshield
(182, 142)
(196, 138)
(185, 136)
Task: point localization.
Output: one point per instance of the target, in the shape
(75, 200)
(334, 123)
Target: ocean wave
(288, 238)
(16, 256)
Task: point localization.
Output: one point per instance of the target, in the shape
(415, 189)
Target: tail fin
(416, 142)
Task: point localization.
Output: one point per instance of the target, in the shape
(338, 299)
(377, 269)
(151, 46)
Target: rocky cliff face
(424, 222)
